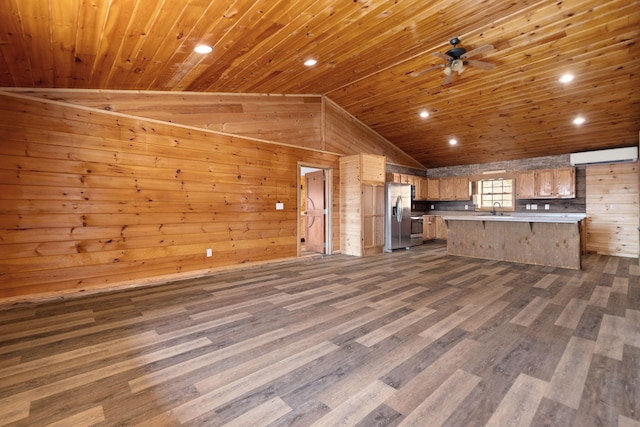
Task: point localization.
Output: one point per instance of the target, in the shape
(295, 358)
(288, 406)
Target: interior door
(315, 218)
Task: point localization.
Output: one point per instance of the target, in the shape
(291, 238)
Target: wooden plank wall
(309, 121)
(351, 206)
(290, 119)
(91, 199)
(613, 209)
(345, 134)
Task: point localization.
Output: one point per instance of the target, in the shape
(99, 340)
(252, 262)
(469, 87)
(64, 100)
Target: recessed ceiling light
(203, 48)
(578, 120)
(310, 62)
(424, 114)
(566, 78)
(453, 141)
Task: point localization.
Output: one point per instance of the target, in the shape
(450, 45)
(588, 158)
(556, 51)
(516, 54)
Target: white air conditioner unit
(614, 155)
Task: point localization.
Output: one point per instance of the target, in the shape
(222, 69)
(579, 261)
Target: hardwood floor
(412, 338)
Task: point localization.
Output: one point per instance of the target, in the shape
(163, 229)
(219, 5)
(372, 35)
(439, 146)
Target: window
(499, 190)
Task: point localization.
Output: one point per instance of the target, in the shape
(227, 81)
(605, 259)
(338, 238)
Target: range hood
(614, 155)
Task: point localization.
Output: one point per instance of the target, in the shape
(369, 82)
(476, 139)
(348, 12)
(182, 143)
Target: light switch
(279, 206)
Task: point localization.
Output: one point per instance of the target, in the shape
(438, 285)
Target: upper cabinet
(565, 183)
(433, 188)
(423, 194)
(525, 183)
(372, 168)
(546, 184)
(419, 182)
(461, 188)
(454, 188)
(559, 183)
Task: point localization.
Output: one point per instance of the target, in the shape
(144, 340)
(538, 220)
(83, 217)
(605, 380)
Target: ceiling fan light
(447, 71)
(457, 66)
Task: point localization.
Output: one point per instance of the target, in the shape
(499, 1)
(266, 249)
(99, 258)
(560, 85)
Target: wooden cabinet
(565, 183)
(394, 177)
(448, 188)
(525, 185)
(441, 228)
(372, 217)
(543, 184)
(461, 188)
(454, 188)
(428, 227)
(362, 179)
(424, 189)
(546, 184)
(447, 191)
(433, 227)
(416, 181)
(433, 188)
(420, 183)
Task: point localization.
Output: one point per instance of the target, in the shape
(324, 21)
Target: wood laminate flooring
(412, 338)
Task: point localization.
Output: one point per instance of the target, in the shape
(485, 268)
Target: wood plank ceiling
(367, 51)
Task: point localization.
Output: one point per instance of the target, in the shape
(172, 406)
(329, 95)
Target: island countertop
(564, 218)
(552, 240)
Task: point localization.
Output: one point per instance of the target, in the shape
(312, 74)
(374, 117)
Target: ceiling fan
(457, 58)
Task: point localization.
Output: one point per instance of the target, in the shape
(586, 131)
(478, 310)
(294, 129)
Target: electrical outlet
(528, 206)
(209, 252)
(279, 206)
(433, 207)
(546, 206)
(534, 207)
(466, 207)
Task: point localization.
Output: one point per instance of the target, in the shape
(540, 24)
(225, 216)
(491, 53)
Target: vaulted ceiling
(368, 53)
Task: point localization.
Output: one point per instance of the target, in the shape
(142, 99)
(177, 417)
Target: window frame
(479, 189)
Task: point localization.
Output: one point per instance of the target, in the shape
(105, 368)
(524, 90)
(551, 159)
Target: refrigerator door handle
(399, 209)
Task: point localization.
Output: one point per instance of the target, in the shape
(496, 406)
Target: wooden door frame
(328, 195)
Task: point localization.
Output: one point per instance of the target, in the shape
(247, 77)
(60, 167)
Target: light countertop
(567, 218)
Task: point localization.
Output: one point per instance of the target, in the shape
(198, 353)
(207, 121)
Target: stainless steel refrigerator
(397, 216)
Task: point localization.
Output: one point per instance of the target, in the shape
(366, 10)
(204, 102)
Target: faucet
(493, 211)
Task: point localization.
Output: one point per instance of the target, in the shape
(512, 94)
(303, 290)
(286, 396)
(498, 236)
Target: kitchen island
(544, 239)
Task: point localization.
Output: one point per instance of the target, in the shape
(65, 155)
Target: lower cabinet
(428, 227)
(433, 227)
(441, 228)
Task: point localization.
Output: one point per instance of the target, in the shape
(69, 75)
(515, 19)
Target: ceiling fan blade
(442, 56)
(419, 73)
(480, 64)
(476, 51)
(447, 79)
